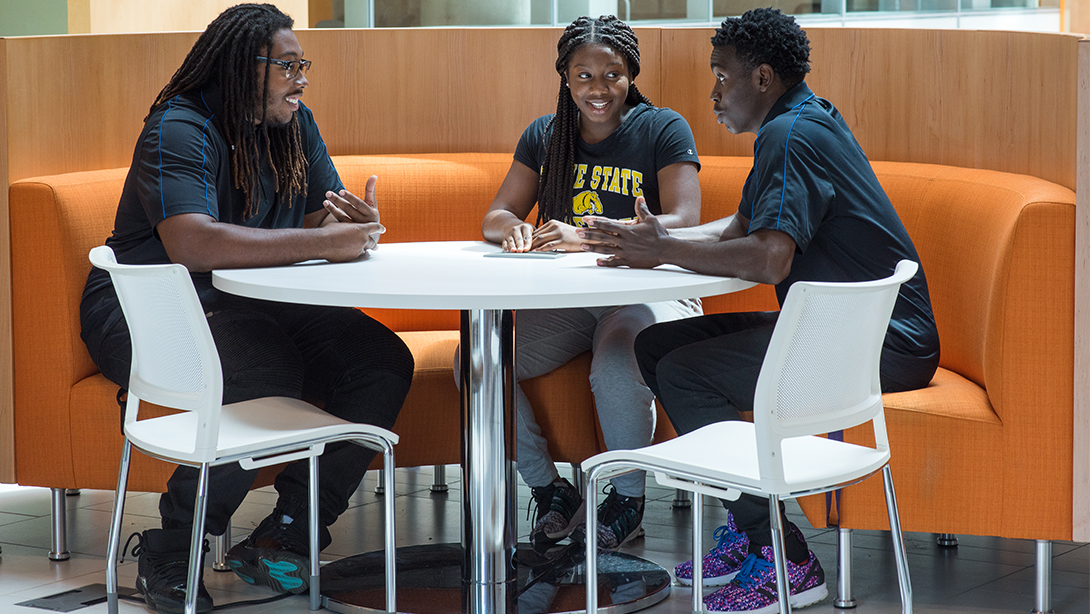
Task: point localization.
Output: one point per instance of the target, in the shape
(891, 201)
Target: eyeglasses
(294, 67)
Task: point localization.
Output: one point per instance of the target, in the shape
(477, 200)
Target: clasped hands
(347, 208)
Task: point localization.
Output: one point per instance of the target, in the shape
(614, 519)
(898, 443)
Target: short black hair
(767, 36)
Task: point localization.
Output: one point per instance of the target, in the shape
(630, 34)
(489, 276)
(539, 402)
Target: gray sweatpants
(548, 338)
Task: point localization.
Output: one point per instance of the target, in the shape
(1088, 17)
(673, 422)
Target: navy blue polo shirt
(811, 180)
(181, 164)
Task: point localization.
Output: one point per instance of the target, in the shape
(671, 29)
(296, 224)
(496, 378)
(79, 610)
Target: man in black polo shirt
(811, 209)
(230, 171)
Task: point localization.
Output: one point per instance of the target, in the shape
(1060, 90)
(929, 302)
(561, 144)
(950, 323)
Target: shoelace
(613, 508)
(749, 574)
(136, 549)
(724, 534)
(537, 496)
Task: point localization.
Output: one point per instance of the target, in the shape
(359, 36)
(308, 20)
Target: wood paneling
(7, 401)
(1081, 452)
(998, 100)
(81, 100)
(438, 90)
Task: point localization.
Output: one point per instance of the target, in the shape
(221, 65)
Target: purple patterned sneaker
(753, 590)
(721, 564)
(559, 509)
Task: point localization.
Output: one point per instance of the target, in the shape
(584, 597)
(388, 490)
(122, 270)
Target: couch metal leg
(844, 598)
(681, 499)
(439, 479)
(1044, 577)
(947, 540)
(59, 531)
(220, 545)
(577, 478)
(72, 492)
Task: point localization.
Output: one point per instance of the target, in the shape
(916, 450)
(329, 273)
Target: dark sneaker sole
(171, 606)
(279, 570)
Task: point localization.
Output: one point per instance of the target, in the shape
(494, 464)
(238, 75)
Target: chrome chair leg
(312, 526)
(681, 498)
(844, 598)
(196, 547)
(903, 578)
(58, 550)
(698, 551)
(220, 545)
(115, 529)
(391, 528)
(591, 577)
(1043, 594)
(782, 588)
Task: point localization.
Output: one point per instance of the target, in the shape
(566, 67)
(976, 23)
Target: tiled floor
(981, 575)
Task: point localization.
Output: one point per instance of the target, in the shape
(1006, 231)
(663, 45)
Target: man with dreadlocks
(230, 171)
(605, 146)
(811, 209)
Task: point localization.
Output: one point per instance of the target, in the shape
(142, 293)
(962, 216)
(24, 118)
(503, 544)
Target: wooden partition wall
(998, 100)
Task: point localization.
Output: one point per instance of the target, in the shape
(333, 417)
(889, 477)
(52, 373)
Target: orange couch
(986, 449)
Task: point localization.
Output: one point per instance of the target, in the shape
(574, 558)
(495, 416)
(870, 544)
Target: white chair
(820, 375)
(175, 364)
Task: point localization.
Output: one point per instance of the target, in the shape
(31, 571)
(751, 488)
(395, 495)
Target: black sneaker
(559, 510)
(163, 568)
(276, 554)
(619, 519)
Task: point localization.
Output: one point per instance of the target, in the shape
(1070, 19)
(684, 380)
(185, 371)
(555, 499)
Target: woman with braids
(605, 150)
(230, 171)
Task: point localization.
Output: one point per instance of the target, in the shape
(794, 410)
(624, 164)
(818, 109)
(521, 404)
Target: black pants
(704, 370)
(339, 358)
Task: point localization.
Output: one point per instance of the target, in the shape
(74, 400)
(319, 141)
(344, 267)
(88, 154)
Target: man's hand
(636, 245)
(350, 241)
(349, 208)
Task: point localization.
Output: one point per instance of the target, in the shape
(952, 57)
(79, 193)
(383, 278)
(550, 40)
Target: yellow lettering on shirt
(580, 175)
(626, 176)
(595, 177)
(615, 186)
(637, 179)
(607, 172)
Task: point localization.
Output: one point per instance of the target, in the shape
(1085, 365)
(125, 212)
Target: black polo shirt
(811, 180)
(181, 164)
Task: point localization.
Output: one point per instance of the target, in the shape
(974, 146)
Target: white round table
(459, 275)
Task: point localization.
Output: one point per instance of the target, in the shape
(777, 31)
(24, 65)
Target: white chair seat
(248, 427)
(736, 465)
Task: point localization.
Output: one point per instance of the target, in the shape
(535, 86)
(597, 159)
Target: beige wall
(111, 16)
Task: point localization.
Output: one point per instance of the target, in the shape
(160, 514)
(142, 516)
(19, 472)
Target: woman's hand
(556, 236)
(519, 238)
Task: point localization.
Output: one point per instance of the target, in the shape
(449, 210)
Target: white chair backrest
(174, 359)
(821, 371)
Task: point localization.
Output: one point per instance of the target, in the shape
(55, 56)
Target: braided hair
(558, 172)
(225, 55)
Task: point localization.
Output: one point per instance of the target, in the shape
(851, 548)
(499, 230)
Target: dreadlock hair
(225, 55)
(767, 36)
(558, 172)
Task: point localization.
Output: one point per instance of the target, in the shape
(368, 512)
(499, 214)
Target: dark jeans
(704, 370)
(339, 358)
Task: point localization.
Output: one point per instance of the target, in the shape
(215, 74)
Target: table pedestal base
(429, 580)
